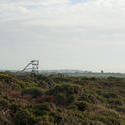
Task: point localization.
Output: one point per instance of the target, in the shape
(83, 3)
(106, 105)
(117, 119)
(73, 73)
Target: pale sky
(63, 34)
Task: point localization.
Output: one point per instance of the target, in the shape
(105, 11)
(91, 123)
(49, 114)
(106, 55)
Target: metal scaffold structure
(33, 65)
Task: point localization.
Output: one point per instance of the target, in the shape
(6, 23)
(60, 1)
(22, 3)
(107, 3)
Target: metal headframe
(33, 65)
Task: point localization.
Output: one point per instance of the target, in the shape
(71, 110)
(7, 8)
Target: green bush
(61, 98)
(68, 89)
(108, 117)
(43, 109)
(81, 105)
(4, 121)
(71, 99)
(88, 97)
(57, 117)
(110, 95)
(24, 117)
(46, 120)
(32, 91)
(4, 103)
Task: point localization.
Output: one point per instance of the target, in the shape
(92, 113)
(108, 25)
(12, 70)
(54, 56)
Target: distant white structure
(33, 65)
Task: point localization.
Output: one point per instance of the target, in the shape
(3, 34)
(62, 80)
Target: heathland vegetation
(61, 100)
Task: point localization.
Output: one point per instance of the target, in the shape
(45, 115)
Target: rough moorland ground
(59, 100)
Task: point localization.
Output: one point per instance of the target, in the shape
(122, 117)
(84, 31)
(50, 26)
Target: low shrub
(32, 91)
(61, 98)
(24, 117)
(43, 109)
(81, 105)
(110, 95)
(68, 89)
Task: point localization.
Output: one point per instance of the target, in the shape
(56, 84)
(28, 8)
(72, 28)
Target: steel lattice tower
(33, 65)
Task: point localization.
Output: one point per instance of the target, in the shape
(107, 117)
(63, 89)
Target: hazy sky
(63, 34)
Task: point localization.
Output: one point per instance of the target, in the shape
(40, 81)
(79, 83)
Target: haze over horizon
(63, 34)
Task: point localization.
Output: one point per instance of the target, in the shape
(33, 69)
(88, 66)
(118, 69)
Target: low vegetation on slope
(59, 100)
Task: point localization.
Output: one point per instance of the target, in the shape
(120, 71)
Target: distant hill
(64, 71)
(73, 73)
(77, 73)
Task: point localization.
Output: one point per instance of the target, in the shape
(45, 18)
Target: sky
(63, 34)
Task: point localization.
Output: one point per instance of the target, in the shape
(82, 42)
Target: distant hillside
(64, 71)
(77, 73)
(72, 73)
(61, 100)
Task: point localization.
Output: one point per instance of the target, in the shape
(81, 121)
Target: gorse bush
(49, 107)
(65, 93)
(61, 98)
(66, 89)
(81, 105)
(24, 117)
(32, 91)
(110, 95)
